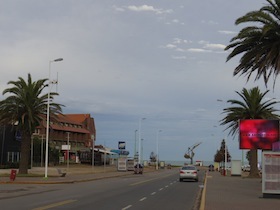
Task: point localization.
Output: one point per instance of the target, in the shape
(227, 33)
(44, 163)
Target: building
(74, 131)
(9, 145)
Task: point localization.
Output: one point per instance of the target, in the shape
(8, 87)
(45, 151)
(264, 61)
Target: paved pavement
(235, 193)
(219, 192)
(76, 173)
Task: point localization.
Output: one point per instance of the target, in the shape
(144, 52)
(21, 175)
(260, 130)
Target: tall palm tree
(259, 44)
(253, 106)
(26, 106)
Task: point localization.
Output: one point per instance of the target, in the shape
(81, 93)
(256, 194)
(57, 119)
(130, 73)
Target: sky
(125, 60)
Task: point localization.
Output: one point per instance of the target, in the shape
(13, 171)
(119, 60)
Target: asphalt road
(158, 190)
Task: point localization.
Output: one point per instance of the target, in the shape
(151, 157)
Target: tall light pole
(68, 148)
(135, 144)
(157, 150)
(42, 148)
(139, 148)
(225, 157)
(92, 153)
(142, 150)
(48, 117)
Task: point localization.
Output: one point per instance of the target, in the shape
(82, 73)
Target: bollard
(13, 175)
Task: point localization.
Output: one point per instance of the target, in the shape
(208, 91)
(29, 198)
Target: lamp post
(42, 148)
(142, 150)
(157, 150)
(68, 148)
(48, 118)
(225, 158)
(135, 145)
(139, 148)
(92, 157)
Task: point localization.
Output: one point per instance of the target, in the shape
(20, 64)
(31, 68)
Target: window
(37, 131)
(13, 157)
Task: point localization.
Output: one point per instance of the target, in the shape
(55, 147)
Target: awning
(104, 151)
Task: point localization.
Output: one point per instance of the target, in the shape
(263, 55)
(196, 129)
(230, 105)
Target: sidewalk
(235, 193)
(75, 173)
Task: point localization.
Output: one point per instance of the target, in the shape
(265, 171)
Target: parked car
(188, 172)
(138, 168)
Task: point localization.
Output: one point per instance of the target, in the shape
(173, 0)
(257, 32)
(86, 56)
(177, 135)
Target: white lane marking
(148, 180)
(153, 193)
(166, 186)
(53, 205)
(142, 199)
(160, 189)
(127, 207)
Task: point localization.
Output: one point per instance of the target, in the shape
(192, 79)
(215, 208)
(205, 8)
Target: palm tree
(251, 107)
(25, 107)
(259, 44)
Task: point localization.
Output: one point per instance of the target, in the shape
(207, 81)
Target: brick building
(76, 129)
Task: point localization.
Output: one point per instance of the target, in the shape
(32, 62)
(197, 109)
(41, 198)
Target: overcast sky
(125, 60)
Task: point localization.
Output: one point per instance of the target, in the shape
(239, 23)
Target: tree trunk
(254, 171)
(24, 153)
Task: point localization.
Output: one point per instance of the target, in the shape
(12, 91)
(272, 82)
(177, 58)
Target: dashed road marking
(142, 199)
(127, 207)
(55, 205)
(148, 180)
(153, 193)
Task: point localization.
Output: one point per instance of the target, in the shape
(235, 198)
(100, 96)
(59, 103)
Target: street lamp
(226, 158)
(48, 117)
(68, 148)
(92, 157)
(139, 148)
(142, 150)
(157, 150)
(226, 149)
(135, 144)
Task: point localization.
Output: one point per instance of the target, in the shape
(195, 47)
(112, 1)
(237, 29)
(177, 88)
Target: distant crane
(190, 153)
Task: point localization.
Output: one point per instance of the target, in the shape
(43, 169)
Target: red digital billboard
(258, 133)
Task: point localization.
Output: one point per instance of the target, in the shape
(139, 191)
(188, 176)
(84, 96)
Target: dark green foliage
(252, 106)
(26, 106)
(258, 43)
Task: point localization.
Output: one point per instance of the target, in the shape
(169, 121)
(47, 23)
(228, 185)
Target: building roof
(70, 123)
(78, 117)
(68, 128)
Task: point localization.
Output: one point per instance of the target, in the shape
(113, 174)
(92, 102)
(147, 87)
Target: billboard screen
(258, 133)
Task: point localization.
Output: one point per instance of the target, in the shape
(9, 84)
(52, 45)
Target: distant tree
(221, 154)
(218, 157)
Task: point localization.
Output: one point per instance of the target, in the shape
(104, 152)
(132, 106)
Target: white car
(188, 172)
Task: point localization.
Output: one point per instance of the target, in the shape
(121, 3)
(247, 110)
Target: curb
(203, 194)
